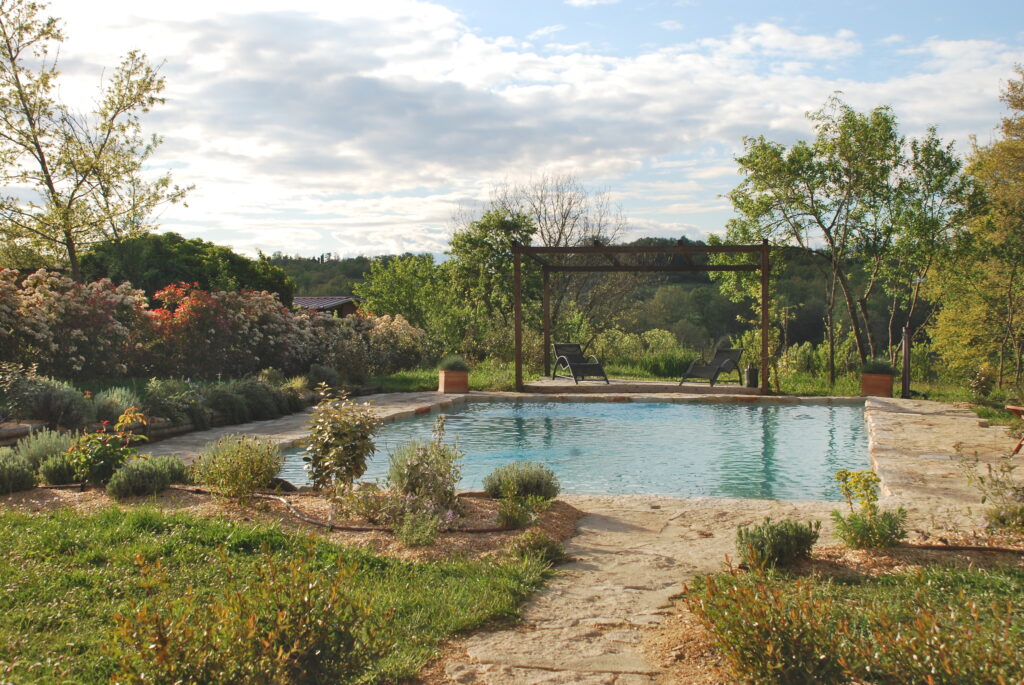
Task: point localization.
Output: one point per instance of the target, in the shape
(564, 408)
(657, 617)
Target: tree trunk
(851, 307)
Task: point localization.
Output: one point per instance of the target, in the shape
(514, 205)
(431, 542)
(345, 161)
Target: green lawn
(65, 575)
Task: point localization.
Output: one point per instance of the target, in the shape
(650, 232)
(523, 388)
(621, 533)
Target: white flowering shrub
(73, 330)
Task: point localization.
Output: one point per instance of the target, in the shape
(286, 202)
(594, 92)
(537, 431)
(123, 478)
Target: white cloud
(671, 25)
(589, 3)
(892, 39)
(333, 127)
(545, 31)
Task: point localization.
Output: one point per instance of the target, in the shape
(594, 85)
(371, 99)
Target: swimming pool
(755, 450)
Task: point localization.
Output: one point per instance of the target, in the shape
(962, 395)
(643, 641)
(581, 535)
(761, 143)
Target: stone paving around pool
(633, 553)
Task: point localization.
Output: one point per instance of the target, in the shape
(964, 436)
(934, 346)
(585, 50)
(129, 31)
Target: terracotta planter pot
(876, 384)
(453, 381)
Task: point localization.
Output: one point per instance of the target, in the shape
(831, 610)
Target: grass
(962, 625)
(485, 375)
(65, 575)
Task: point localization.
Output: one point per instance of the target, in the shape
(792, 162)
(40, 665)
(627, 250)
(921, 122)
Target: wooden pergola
(611, 254)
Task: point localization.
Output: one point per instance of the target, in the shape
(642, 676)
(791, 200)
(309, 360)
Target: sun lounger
(569, 356)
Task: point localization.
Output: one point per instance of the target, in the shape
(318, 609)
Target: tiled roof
(322, 302)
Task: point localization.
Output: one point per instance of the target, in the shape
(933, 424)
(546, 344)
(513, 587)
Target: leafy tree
(83, 173)
(874, 212)
(982, 284)
(481, 263)
(156, 260)
(405, 285)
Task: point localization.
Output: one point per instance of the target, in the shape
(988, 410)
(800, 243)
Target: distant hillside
(327, 274)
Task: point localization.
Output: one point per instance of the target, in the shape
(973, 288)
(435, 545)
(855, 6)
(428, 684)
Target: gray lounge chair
(726, 359)
(569, 356)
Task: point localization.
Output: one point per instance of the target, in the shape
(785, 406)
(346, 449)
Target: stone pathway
(631, 556)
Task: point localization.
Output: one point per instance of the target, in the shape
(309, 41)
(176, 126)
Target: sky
(363, 127)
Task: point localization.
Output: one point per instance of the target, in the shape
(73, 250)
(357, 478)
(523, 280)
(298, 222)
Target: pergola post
(547, 322)
(764, 316)
(517, 286)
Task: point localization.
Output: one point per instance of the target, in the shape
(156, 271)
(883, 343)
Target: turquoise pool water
(755, 450)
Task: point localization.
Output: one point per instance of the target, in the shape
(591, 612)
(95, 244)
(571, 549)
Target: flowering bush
(77, 329)
(394, 344)
(10, 322)
(97, 330)
(95, 456)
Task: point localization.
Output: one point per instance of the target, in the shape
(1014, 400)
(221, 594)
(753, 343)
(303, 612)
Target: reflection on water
(785, 452)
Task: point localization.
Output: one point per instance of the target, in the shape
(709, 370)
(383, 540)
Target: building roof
(324, 302)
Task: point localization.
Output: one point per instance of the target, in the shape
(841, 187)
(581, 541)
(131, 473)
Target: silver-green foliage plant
(776, 544)
(340, 441)
(418, 528)
(138, 477)
(868, 527)
(524, 478)
(38, 446)
(16, 474)
(238, 465)
(427, 471)
(57, 469)
(111, 403)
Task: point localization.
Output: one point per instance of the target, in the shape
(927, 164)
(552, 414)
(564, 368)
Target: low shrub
(427, 470)
(36, 447)
(111, 403)
(776, 544)
(271, 376)
(935, 625)
(288, 623)
(514, 512)
(136, 478)
(418, 529)
(178, 401)
(340, 441)
(770, 637)
(453, 362)
(524, 478)
(229, 404)
(871, 530)
(260, 398)
(16, 474)
(59, 403)
(295, 390)
(870, 527)
(173, 467)
(537, 543)
(878, 366)
(319, 373)
(368, 501)
(238, 465)
(56, 469)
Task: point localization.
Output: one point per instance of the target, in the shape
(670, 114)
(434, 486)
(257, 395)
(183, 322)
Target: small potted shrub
(876, 378)
(453, 374)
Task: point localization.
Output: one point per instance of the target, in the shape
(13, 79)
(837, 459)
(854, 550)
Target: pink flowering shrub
(74, 330)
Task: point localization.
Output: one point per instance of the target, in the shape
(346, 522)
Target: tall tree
(73, 178)
(982, 288)
(872, 209)
(567, 214)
